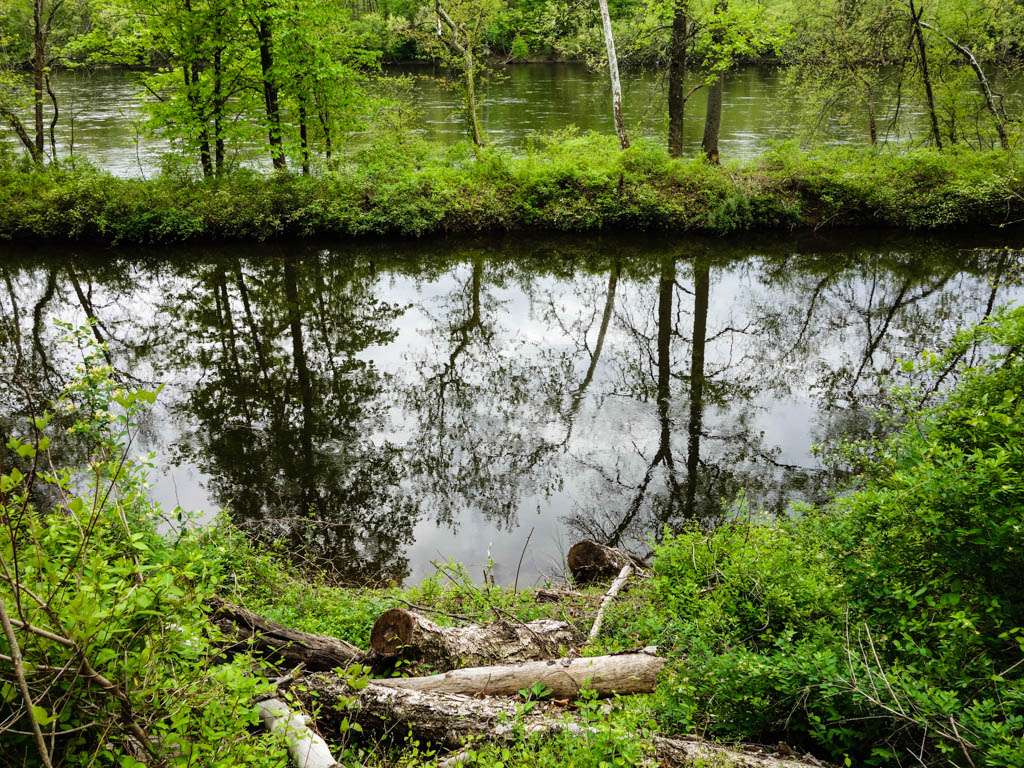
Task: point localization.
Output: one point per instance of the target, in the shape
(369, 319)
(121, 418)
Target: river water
(380, 407)
(103, 119)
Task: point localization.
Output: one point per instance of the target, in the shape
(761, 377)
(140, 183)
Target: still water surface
(379, 407)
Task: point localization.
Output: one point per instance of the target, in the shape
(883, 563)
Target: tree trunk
(270, 95)
(305, 747)
(400, 632)
(38, 77)
(304, 137)
(713, 120)
(613, 72)
(218, 110)
(471, 109)
(286, 646)
(53, 120)
(990, 102)
(447, 721)
(677, 77)
(589, 561)
(619, 674)
(922, 54)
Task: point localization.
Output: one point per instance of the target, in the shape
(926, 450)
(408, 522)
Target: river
(103, 119)
(380, 407)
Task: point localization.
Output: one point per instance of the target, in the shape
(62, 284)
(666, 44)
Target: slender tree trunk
(270, 94)
(325, 126)
(38, 77)
(677, 77)
(53, 120)
(218, 108)
(613, 72)
(990, 101)
(304, 137)
(701, 291)
(713, 120)
(471, 108)
(922, 55)
(872, 119)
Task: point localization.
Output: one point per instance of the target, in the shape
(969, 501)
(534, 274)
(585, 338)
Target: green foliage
(568, 183)
(892, 620)
(128, 650)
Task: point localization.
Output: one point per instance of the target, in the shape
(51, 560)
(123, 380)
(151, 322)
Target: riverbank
(581, 184)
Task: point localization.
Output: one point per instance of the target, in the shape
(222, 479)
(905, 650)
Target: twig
(19, 675)
(515, 584)
(613, 590)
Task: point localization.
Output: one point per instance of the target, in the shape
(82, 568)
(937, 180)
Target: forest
(511, 384)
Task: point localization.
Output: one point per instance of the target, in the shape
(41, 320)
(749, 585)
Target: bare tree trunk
(613, 72)
(400, 632)
(270, 94)
(677, 77)
(990, 101)
(622, 673)
(38, 76)
(218, 108)
(713, 120)
(922, 54)
(305, 747)
(53, 120)
(304, 137)
(450, 720)
(471, 108)
(315, 652)
(613, 590)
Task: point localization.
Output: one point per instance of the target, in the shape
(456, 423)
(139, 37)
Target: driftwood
(449, 720)
(306, 748)
(621, 673)
(589, 561)
(286, 646)
(613, 590)
(401, 632)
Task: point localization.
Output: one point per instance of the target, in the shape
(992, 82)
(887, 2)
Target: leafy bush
(567, 182)
(119, 656)
(891, 621)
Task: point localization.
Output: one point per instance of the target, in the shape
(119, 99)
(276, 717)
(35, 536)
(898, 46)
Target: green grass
(567, 184)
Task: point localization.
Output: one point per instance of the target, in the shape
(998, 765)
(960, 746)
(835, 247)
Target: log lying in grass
(401, 632)
(589, 561)
(286, 646)
(449, 720)
(613, 590)
(305, 747)
(622, 673)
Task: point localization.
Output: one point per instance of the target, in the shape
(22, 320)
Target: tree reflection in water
(344, 401)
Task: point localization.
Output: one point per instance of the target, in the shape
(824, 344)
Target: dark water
(379, 407)
(103, 118)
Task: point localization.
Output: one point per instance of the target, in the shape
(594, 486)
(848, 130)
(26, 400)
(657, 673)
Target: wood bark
(677, 77)
(922, 54)
(448, 720)
(271, 100)
(305, 747)
(399, 632)
(613, 72)
(990, 101)
(38, 75)
(590, 561)
(623, 673)
(713, 120)
(613, 590)
(287, 646)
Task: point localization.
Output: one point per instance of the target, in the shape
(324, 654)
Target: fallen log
(285, 646)
(622, 673)
(450, 720)
(613, 590)
(305, 747)
(399, 632)
(590, 561)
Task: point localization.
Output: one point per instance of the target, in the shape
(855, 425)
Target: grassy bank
(575, 184)
(887, 623)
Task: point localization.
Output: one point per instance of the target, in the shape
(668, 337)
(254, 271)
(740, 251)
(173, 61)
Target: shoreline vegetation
(886, 621)
(564, 184)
